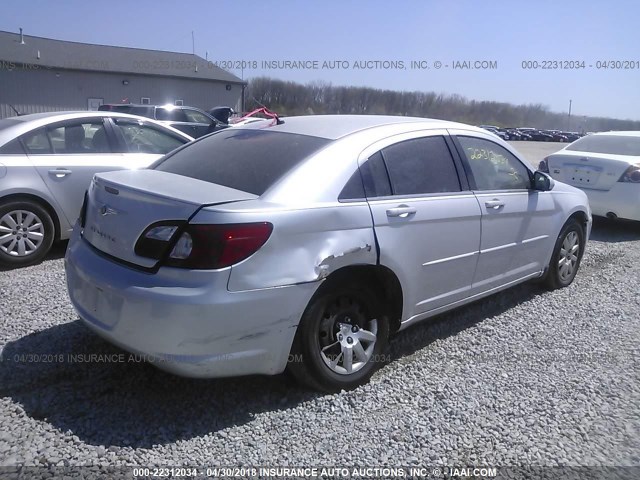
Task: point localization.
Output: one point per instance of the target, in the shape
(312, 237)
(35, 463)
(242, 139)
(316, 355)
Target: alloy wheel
(569, 251)
(21, 233)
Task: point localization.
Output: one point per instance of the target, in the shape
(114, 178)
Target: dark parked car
(536, 135)
(557, 135)
(572, 136)
(515, 134)
(190, 120)
(496, 131)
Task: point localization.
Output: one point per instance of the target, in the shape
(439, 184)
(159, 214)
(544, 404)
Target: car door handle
(495, 204)
(60, 172)
(402, 211)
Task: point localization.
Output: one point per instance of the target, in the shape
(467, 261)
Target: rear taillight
(202, 246)
(543, 166)
(632, 175)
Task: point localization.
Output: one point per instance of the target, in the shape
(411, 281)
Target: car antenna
(268, 112)
(15, 110)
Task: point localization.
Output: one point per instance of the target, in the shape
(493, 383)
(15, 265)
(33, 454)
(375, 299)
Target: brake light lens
(632, 175)
(543, 166)
(218, 246)
(207, 247)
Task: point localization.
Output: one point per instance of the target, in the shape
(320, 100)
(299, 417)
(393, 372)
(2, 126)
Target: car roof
(25, 123)
(333, 127)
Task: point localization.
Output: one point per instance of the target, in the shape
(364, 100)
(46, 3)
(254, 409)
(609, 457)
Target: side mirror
(542, 182)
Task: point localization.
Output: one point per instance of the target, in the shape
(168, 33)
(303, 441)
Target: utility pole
(569, 119)
(193, 43)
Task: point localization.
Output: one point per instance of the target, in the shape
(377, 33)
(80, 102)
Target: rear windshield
(247, 160)
(613, 144)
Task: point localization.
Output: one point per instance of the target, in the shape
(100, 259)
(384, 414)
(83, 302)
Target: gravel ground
(527, 377)
(533, 152)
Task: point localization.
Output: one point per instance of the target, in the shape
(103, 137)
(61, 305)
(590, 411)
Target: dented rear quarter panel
(306, 245)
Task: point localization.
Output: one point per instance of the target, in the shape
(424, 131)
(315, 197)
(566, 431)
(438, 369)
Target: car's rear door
(516, 219)
(67, 154)
(426, 221)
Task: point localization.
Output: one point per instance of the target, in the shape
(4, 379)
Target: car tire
(341, 319)
(26, 233)
(566, 257)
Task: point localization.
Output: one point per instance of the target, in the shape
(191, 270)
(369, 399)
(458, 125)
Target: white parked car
(606, 166)
(47, 161)
(307, 242)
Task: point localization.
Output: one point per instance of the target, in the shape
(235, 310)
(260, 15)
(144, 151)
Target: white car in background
(606, 166)
(47, 161)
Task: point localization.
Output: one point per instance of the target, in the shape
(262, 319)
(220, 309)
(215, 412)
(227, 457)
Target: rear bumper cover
(185, 322)
(623, 199)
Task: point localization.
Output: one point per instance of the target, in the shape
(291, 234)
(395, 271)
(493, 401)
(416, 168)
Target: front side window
(196, 117)
(421, 166)
(493, 167)
(143, 138)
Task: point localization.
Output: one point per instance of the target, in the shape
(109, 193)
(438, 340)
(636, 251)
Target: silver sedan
(47, 161)
(305, 243)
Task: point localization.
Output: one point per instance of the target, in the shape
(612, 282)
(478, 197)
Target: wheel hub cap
(352, 349)
(569, 256)
(21, 233)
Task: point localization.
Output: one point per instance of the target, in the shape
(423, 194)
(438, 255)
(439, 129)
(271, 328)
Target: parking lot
(524, 377)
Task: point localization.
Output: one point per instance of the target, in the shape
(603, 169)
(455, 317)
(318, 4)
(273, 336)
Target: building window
(179, 103)
(145, 100)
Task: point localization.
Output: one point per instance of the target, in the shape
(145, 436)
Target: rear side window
(612, 144)
(79, 137)
(14, 147)
(247, 160)
(421, 165)
(375, 177)
(171, 115)
(37, 142)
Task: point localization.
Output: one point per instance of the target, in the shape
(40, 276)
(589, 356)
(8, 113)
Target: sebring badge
(106, 210)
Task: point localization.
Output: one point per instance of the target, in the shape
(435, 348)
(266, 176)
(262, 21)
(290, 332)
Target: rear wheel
(26, 233)
(341, 339)
(566, 257)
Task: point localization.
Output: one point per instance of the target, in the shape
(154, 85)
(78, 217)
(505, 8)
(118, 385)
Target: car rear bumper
(185, 322)
(623, 200)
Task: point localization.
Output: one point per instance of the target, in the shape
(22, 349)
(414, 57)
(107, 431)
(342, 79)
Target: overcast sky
(349, 31)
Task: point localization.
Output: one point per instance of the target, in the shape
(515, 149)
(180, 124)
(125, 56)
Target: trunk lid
(597, 171)
(121, 205)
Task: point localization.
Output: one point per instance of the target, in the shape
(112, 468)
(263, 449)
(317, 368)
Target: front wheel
(566, 257)
(26, 233)
(341, 339)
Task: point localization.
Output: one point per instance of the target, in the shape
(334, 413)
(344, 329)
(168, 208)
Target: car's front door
(426, 221)
(515, 218)
(67, 155)
(142, 143)
(202, 124)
